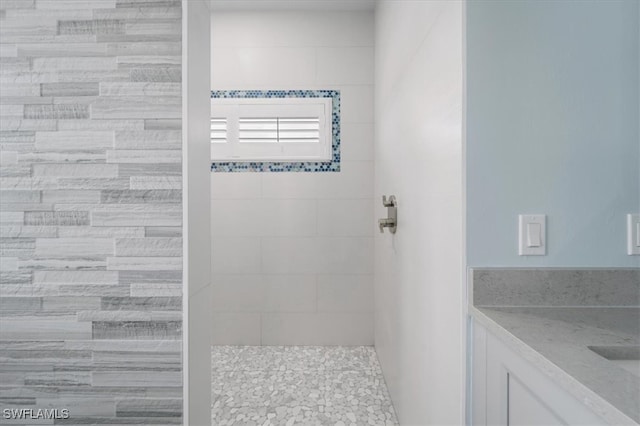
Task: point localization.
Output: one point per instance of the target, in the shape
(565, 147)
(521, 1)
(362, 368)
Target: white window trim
(234, 151)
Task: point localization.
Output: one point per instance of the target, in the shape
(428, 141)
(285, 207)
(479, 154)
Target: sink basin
(627, 357)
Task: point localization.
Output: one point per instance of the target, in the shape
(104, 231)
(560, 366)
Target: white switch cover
(633, 234)
(532, 239)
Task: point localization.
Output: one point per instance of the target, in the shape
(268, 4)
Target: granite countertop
(557, 339)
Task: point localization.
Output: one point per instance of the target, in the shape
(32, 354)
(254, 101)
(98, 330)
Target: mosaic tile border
(327, 166)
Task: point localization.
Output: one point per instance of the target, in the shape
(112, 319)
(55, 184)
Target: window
(271, 129)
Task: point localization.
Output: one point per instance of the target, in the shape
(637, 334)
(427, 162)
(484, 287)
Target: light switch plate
(633, 234)
(532, 240)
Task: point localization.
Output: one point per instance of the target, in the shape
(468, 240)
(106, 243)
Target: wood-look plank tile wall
(91, 209)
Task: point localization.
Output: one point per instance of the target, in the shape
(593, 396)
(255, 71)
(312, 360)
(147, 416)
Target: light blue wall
(552, 127)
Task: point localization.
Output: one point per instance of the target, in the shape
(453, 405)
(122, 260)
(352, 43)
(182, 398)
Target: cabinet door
(507, 390)
(524, 408)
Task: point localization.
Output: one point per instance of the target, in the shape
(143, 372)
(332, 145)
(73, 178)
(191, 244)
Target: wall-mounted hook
(391, 221)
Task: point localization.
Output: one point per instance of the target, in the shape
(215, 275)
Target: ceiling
(265, 5)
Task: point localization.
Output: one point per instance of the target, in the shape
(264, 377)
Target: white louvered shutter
(274, 129)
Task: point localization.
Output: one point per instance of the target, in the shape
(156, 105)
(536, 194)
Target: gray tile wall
(90, 209)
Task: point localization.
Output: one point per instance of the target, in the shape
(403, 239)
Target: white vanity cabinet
(508, 390)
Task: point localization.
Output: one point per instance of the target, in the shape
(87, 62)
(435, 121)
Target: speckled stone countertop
(557, 338)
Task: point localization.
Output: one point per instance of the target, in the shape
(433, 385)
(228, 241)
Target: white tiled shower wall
(293, 252)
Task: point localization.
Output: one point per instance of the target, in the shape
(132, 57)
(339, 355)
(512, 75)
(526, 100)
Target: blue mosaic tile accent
(328, 166)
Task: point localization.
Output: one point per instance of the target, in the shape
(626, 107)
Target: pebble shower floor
(299, 385)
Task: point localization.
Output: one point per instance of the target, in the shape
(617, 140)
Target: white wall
(197, 240)
(293, 252)
(418, 152)
(553, 128)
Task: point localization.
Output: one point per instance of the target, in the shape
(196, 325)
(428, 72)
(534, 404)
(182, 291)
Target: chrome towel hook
(391, 221)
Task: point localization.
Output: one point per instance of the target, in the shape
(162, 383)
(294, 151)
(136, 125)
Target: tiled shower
(297, 256)
(292, 245)
(141, 285)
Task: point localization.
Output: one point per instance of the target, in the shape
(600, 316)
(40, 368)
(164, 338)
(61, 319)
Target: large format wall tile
(90, 209)
(293, 251)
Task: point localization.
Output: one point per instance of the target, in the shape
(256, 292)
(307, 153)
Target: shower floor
(299, 385)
